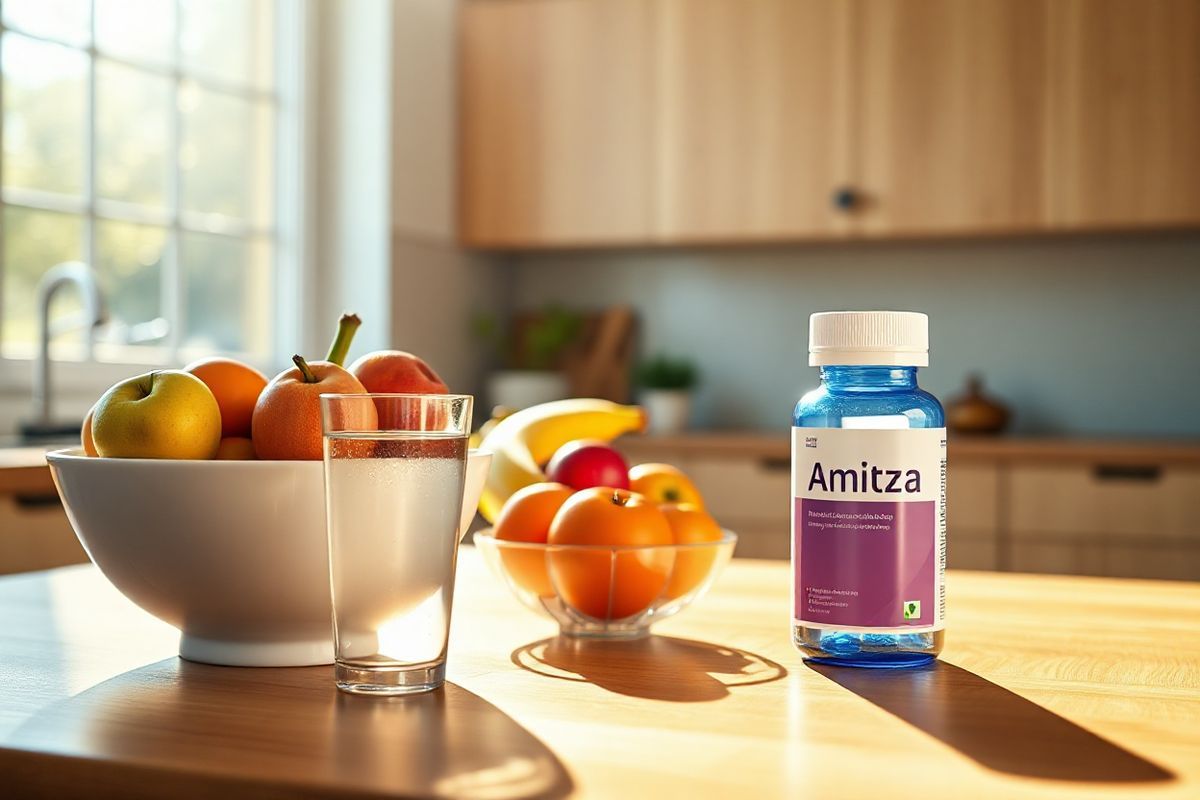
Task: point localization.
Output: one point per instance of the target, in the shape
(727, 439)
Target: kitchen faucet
(94, 315)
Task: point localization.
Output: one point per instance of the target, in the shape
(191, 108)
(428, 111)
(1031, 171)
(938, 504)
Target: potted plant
(530, 349)
(666, 392)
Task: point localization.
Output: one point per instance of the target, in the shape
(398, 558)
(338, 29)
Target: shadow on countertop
(265, 731)
(653, 667)
(993, 726)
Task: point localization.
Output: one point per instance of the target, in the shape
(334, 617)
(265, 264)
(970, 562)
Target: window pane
(228, 40)
(133, 125)
(58, 19)
(136, 29)
(34, 241)
(44, 115)
(129, 260)
(225, 158)
(228, 293)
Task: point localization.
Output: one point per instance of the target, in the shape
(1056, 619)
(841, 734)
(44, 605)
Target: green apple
(162, 414)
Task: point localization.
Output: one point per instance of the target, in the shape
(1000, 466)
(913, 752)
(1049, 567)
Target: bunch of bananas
(522, 442)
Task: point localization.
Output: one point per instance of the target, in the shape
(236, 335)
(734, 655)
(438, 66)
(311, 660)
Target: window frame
(292, 265)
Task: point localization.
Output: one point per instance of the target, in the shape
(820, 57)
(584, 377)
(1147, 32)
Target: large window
(139, 136)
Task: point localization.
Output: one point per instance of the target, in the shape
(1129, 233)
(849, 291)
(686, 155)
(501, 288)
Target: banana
(521, 443)
(498, 413)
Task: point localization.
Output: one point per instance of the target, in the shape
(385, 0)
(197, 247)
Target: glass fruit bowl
(604, 591)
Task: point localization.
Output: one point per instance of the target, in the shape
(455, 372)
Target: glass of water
(395, 465)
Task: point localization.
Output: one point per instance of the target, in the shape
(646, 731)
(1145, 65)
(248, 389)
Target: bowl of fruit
(604, 550)
(199, 494)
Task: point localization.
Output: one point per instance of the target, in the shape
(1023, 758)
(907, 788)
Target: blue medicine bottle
(869, 496)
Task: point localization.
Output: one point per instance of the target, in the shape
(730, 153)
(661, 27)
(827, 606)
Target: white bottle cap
(885, 338)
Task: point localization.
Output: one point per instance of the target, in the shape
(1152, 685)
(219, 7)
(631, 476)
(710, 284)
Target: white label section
(865, 465)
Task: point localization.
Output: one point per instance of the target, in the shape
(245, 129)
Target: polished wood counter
(23, 470)
(1050, 688)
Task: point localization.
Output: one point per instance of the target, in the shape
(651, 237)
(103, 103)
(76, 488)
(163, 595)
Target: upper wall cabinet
(556, 122)
(947, 116)
(751, 126)
(1124, 99)
(556, 125)
(612, 122)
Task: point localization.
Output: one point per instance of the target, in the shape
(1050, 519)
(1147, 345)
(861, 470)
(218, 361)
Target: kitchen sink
(50, 437)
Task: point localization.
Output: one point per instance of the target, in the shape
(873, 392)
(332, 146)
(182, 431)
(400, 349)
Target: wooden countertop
(1050, 688)
(23, 470)
(777, 445)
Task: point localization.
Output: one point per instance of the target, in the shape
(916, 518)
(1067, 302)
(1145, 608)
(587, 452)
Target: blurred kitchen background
(639, 199)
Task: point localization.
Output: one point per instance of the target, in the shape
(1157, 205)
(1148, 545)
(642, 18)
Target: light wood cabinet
(36, 535)
(625, 122)
(1124, 113)
(555, 130)
(1135, 521)
(948, 115)
(1090, 508)
(973, 514)
(749, 495)
(752, 125)
(1094, 501)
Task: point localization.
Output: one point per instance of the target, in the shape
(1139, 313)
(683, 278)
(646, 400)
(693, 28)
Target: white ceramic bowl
(233, 553)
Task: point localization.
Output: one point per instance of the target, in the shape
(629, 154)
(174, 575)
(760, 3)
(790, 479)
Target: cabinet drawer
(1094, 501)
(1060, 558)
(973, 550)
(760, 541)
(36, 536)
(749, 490)
(973, 497)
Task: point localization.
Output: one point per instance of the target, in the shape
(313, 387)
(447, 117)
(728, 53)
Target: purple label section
(865, 565)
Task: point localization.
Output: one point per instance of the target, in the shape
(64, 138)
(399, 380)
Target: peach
(396, 371)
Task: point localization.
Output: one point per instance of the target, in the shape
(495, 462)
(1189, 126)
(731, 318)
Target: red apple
(585, 463)
(398, 372)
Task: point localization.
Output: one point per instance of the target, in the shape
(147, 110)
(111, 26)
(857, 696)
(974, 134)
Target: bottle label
(869, 528)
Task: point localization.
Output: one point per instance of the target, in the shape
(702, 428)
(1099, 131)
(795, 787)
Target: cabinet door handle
(779, 464)
(845, 199)
(1144, 473)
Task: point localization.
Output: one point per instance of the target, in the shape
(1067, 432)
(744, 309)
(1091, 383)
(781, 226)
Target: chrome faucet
(94, 315)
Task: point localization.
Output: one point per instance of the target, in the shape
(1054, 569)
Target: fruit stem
(147, 383)
(619, 499)
(305, 369)
(347, 327)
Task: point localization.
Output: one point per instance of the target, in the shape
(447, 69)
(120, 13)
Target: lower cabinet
(1138, 521)
(749, 496)
(1075, 517)
(973, 516)
(36, 534)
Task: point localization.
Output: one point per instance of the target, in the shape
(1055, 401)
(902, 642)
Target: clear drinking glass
(394, 471)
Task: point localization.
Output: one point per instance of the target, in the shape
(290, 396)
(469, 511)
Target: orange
(690, 525)
(526, 517)
(603, 583)
(663, 483)
(287, 417)
(235, 448)
(236, 387)
(85, 434)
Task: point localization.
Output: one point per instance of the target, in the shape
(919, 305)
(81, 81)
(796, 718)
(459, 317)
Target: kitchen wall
(1090, 336)
(435, 286)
